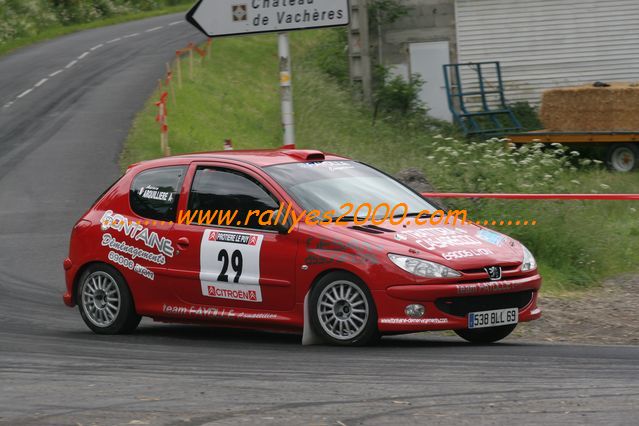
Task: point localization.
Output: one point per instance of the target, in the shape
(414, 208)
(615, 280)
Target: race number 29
(236, 264)
(230, 265)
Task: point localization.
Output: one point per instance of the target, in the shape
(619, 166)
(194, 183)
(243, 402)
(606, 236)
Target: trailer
(622, 148)
(479, 107)
(494, 117)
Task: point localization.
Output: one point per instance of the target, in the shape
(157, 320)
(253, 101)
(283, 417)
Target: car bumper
(391, 303)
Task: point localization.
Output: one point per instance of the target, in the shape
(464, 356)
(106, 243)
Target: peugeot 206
(291, 240)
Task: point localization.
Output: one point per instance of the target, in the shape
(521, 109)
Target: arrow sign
(235, 17)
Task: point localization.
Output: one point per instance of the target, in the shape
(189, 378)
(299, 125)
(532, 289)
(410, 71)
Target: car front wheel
(105, 302)
(342, 310)
(486, 335)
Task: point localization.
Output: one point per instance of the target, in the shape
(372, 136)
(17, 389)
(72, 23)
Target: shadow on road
(201, 335)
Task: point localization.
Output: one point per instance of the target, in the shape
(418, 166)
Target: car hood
(459, 246)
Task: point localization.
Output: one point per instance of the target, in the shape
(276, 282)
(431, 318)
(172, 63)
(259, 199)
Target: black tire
(367, 333)
(486, 335)
(125, 320)
(623, 157)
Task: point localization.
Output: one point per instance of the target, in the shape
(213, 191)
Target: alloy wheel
(343, 310)
(101, 299)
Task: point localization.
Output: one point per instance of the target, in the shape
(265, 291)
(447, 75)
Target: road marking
(82, 56)
(25, 93)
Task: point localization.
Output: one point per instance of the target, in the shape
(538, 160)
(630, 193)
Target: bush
(385, 12)
(394, 95)
(19, 18)
(26, 18)
(527, 115)
(571, 237)
(330, 55)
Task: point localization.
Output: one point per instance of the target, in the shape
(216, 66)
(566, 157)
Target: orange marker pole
(191, 62)
(166, 149)
(169, 81)
(178, 66)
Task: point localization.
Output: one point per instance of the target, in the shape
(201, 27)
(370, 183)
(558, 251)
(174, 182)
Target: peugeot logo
(494, 272)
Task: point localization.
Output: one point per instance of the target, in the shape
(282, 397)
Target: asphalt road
(59, 143)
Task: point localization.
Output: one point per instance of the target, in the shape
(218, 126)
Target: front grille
(461, 306)
(509, 268)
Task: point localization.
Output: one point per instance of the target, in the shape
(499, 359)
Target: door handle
(183, 243)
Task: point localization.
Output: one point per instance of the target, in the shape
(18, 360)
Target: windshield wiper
(347, 218)
(352, 218)
(412, 214)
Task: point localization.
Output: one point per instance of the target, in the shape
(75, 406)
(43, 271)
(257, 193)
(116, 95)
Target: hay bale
(591, 109)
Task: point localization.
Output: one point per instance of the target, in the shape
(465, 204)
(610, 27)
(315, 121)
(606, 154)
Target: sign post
(286, 89)
(217, 18)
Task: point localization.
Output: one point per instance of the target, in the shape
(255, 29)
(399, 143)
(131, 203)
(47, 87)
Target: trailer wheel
(623, 157)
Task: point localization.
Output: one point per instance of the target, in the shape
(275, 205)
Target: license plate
(493, 318)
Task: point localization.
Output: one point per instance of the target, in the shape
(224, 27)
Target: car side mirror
(281, 228)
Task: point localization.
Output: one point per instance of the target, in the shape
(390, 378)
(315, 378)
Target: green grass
(235, 95)
(60, 30)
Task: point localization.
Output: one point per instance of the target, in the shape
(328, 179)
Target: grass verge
(235, 95)
(60, 30)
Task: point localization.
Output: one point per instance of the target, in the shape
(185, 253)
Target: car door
(223, 259)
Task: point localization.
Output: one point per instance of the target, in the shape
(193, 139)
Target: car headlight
(529, 263)
(422, 268)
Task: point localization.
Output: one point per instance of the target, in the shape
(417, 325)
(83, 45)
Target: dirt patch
(605, 315)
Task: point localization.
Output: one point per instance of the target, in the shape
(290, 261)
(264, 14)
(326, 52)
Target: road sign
(235, 17)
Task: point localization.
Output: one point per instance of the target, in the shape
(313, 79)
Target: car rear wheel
(486, 335)
(105, 302)
(623, 157)
(342, 310)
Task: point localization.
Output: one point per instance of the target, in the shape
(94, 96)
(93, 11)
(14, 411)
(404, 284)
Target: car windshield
(328, 185)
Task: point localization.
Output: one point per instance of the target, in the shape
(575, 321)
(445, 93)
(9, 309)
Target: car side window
(154, 193)
(225, 190)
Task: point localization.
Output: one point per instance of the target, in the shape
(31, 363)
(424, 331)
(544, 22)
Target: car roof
(255, 157)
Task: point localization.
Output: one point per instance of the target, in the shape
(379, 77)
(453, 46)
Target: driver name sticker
(151, 192)
(230, 265)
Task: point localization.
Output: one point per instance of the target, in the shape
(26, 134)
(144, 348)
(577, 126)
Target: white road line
(25, 93)
(82, 56)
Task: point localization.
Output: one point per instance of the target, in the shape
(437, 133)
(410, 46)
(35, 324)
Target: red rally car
(133, 254)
